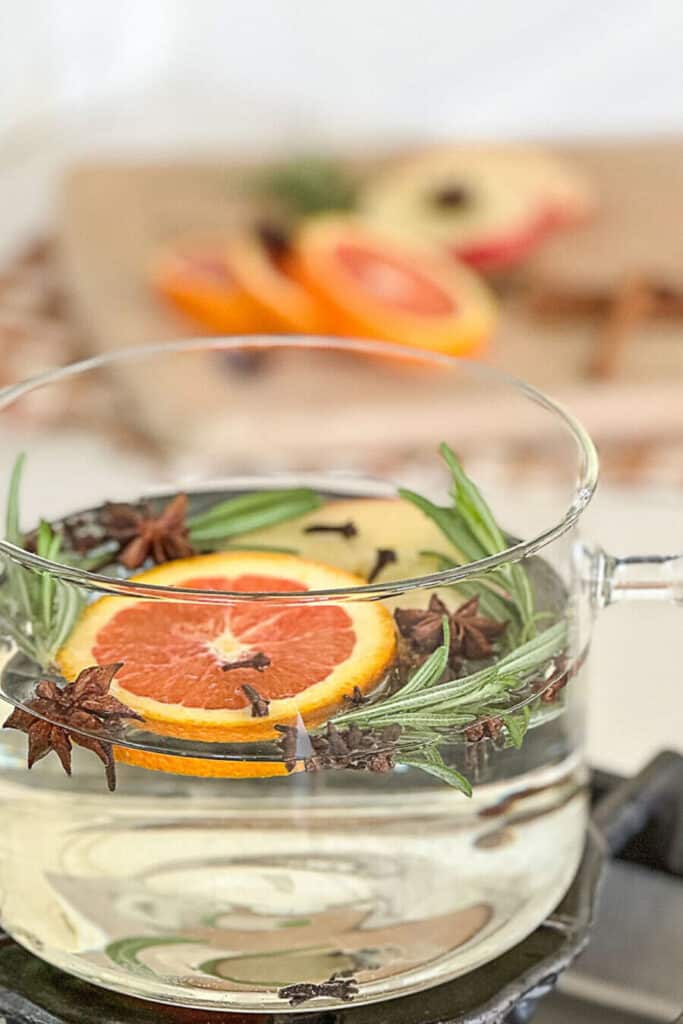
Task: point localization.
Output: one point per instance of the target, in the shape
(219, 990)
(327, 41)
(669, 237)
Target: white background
(401, 68)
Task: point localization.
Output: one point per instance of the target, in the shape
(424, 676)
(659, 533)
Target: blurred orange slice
(196, 279)
(379, 287)
(258, 262)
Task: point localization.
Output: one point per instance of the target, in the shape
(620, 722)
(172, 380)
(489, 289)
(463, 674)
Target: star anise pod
(143, 535)
(84, 704)
(423, 628)
(471, 633)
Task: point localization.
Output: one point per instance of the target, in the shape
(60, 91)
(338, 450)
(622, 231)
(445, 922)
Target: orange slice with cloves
(174, 654)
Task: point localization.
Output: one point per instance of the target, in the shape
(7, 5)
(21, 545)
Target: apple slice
(489, 206)
(379, 523)
(376, 286)
(566, 195)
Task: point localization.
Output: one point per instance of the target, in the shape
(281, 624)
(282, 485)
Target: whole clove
(348, 529)
(355, 699)
(486, 728)
(259, 661)
(259, 705)
(357, 749)
(288, 745)
(385, 556)
(336, 987)
(452, 197)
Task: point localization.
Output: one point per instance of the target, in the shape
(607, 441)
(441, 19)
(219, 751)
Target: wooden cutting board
(113, 217)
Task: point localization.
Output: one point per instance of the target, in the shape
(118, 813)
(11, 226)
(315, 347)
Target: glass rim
(584, 489)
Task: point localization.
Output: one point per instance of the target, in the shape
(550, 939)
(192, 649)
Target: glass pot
(357, 765)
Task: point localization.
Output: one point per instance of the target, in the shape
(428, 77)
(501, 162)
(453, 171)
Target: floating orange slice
(173, 653)
(197, 280)
(378, 287)
(260, 270)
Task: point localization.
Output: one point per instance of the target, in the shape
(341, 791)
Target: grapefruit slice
(375, 286)
(196, 278)
(173, 652)
(260, 269)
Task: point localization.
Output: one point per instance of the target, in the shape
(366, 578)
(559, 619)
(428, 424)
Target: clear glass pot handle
(635, 578)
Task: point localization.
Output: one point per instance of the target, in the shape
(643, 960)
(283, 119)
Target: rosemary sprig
(493, 603)
(428, 710)
(308, 185)
(14, 576)
(516, 724)
(465, 696)
(249, 512)
(431, 670)
(471, 528)
(431, 762)
(37, 610)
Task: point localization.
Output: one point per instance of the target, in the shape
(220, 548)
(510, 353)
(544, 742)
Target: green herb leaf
(251, 512)
(492, 601)
(431, 671)
(67, 607)
(12, 531)
(441, 771)
(429, 711)
(472, 506)
(39, 611)
(449, 524)
(469, 693)
(46, 544)
(309, 185)
(247, 503)
(16, 582)
(471, 528)
(517, 725)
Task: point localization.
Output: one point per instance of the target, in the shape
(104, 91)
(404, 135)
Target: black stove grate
(638, 819)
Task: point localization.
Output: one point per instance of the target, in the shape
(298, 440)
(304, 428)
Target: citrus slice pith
(173, 653)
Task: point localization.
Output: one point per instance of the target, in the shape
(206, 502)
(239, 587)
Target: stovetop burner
(638, 820)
